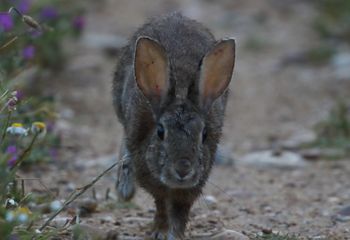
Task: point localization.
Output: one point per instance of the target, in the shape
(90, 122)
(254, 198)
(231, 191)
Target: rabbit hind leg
(125, 180)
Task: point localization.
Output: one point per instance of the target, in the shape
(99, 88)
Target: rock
(282, 160)
(311, 153)
(320, 237)
(224, 156)
(86, 206)
(341, 62)
(210, 201)
(322, 153)
(228, 235)
(55, 205)
(137, 220)
(298, 139)
(106, 219)
(112, 235)
(60, 222)
(70, 187)
(343, 215)
(86, 231)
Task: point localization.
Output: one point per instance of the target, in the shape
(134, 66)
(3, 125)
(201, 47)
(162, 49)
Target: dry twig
(78, 193)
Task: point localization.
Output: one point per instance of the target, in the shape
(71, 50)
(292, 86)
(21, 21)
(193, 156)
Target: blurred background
(287, 126)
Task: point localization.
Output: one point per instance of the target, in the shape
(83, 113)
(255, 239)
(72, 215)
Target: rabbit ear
(151, 70)
(216, 71)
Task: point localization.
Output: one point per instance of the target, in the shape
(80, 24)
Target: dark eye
(160, 131)
(204, 134)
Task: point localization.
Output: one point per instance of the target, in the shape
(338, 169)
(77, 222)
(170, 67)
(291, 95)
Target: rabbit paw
(125, 183)
(158, 235)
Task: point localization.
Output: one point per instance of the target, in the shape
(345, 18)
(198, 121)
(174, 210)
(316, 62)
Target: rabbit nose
(183, 168)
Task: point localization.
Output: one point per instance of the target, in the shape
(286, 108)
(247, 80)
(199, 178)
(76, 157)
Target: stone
(210, 201)
(86, 206)
(224, 156)
(60, 222)
(281, 160)
(298, 139)
(341, 62)
(311, 153)
(87, 231)
(343, 215)
(322, 153)
(137, 219)
(228, 234)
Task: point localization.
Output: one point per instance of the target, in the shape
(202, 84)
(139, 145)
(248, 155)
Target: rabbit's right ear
(216, 72)
(151, 70)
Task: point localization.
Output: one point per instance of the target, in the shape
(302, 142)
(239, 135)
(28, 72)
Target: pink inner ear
(151, 69)
(216, 71)
(157, 90)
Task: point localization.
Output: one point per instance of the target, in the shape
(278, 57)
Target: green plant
(334, 131)
(27, 123)
(336, 128)
(333, 19)
(36, 39)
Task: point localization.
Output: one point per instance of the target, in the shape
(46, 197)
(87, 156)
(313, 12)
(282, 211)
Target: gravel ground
(267, 103)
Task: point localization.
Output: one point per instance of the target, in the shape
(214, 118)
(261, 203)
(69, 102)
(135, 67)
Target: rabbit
(169, 92)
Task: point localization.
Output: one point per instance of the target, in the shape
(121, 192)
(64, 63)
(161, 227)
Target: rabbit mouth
(173, 180)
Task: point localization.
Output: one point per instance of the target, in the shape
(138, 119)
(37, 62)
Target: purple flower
(19, 94)
(12, 150)
(12, 161)
(6, 23)
(28, 52)
(48, 13)
(78, 23)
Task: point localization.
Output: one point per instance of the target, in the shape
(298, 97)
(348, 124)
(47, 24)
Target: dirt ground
(267, 102)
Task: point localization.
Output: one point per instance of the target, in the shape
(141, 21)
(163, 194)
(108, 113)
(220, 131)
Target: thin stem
(75, 195)
(4, 94)
(5, 106)
(25, 152)
(22, 188)
(15, 38)
(5, 127)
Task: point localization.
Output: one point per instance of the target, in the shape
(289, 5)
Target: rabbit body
(170, 93)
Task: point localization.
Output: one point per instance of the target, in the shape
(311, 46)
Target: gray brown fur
(145, 156)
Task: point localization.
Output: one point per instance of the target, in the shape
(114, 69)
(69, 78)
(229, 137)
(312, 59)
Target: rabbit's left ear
(216, 72)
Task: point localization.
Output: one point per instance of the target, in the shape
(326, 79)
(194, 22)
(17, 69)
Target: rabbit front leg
(160, 227)
(178, 213)
(125, 180)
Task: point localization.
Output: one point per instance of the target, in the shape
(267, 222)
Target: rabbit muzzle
(180, 174)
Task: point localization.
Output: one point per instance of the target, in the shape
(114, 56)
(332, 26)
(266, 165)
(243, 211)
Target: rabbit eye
(204, 134)
(160, 131)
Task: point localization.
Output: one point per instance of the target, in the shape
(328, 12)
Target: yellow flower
(39, 128)
(23, 210)
(19, 125)
(21, 215)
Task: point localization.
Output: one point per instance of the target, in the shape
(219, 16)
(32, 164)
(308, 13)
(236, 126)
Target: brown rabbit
(170, 92)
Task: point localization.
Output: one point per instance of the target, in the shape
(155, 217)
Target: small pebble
(210, 201)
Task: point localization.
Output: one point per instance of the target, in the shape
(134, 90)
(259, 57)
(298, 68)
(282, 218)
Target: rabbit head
(183, 139)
